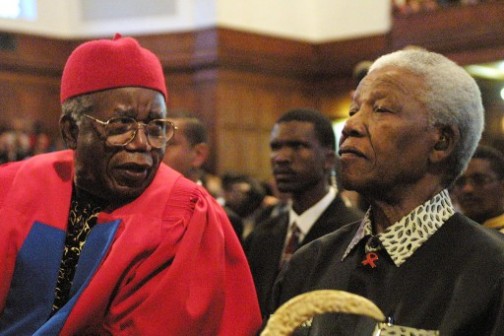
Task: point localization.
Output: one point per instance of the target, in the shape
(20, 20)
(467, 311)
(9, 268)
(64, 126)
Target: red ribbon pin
(371, 257)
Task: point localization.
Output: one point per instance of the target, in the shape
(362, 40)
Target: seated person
(415, 120)
(104, 239)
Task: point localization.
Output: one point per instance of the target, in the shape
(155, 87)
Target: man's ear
(201, 151)
(69, 131)
(446, 138)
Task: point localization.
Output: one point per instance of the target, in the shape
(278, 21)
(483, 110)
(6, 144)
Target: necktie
(291, 246)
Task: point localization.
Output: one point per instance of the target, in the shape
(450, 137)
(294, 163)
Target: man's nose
(467, 186)
(282, 154)
(140, 139)
(354, 126)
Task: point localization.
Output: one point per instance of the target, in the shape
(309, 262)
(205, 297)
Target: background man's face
(180, 153)
(298, 160)
(481, 200)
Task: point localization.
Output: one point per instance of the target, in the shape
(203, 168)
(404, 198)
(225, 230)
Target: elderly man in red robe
(104, 239)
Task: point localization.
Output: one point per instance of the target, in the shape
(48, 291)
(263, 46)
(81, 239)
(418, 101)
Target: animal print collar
(404, 237)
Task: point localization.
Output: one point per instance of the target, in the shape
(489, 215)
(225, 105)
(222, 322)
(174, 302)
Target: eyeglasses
(120, 131)
(476, 180)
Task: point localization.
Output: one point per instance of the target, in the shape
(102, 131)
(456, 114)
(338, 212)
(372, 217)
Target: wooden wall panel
(258, 53)
(248, 104)
(337, 59)
(30, 74)
(30, 99)
(35, 55)
(181, 92)
(453, 29)
(184, 51)
(334, 96)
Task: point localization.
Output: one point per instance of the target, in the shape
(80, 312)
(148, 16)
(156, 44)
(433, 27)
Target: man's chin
(129, 192)
(285, 187)
(120, 194)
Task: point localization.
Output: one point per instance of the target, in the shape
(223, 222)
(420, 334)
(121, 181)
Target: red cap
(107, 64)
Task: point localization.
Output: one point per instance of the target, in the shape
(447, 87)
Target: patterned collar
(404, 237)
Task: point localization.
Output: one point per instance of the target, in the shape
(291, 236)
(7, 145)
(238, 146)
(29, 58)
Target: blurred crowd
(20, 141)
(414, 6)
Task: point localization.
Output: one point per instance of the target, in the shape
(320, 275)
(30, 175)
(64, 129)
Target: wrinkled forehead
(391, 84)
(479, 165)
(130, 101)
(293, 128)
(389, 79)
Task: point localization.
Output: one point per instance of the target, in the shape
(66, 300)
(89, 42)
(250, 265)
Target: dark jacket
(453, 283)
(264, 245)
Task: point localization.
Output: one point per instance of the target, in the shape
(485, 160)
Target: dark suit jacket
(264, 245)
(453, 283)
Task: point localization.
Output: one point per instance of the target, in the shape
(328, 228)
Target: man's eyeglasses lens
(122, 130)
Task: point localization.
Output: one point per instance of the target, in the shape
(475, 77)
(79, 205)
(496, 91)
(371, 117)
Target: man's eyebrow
(121, 111)
(390, 81)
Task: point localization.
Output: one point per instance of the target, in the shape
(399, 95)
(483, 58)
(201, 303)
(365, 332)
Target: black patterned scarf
(84, 211)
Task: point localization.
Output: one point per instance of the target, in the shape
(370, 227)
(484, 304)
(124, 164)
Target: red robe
(168, 263)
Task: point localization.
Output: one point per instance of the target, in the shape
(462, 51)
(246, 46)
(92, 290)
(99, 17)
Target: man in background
(302, 159)
(188, 151)
(245, 195)
(479, 192)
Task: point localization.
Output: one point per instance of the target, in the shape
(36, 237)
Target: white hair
(451, 96)
(75, 107)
